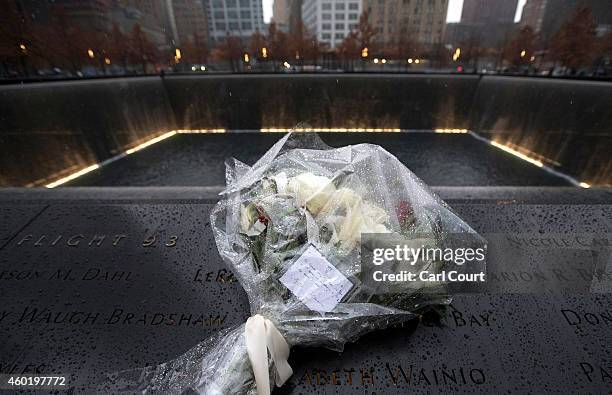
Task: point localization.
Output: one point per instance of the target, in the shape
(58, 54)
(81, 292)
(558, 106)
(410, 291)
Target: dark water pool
(438, 159)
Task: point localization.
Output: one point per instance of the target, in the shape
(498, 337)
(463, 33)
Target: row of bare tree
(575, 45)
(26, 46)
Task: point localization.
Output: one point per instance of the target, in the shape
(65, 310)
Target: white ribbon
(262, 336)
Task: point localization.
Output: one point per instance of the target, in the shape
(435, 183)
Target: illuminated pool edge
(172, 133)
(129, 151)
(513, 151)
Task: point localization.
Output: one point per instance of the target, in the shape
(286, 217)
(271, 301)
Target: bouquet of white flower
(291, 229)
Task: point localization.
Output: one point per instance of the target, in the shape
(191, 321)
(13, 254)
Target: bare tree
(365, 32)
(574, 44)
(66, 42)
(279, 45)
(118, 47)
(142, 51)
(439, 55)
(349, 50)
(405, 48)
(15, 39)
(471, 50)
(195, 50)
(231, 51)
(519, 50)
(257, 45)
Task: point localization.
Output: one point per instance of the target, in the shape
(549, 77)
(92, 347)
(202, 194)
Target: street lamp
(177, 55)
(107, 61)
(90, 53)
(264, 52)
(364, 52)
(246, 57)
(456, 54)
(523, 52)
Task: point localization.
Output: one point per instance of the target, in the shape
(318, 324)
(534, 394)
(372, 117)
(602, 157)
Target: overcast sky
(454, 10)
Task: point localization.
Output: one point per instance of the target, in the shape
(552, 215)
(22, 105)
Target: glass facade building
(239, 18)
(331, 20)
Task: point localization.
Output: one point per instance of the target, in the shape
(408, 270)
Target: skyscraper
(287, 14)
(295, 15)
(149, 15)
(93, 14)
(240, 18)
(280, 14)
(488, 11)
(189, 21)
(491, 21)
(331, 20)
(533, 14)
(546, 16)
(418, 20)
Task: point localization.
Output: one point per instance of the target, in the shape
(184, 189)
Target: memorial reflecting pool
(438, 159)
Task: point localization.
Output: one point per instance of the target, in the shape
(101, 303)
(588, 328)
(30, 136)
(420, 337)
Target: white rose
(343, 198)
(281, 181)
(374, 214)
(361, 217)
(311, 191)
(321, 198)
(245, 219)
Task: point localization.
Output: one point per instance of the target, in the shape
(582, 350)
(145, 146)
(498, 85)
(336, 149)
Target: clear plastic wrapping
(301, 195)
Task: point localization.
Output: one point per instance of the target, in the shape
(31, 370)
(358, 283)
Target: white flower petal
(281, 182)
(311, 190)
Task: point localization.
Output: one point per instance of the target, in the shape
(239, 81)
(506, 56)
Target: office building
(545, 17)
(287, 14)
(491, 22)
(239, 18)
(94, 14)
(188, 21)
(331, 20)
(488, 11)
(419, 20)
(280, 14)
